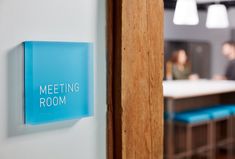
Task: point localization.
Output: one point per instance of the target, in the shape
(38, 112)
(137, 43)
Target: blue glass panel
(58, 81)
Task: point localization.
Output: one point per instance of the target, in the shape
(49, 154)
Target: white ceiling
(209, 1)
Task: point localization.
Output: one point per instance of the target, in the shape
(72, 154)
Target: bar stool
(219, 114)
(191, 120)
(231, 108)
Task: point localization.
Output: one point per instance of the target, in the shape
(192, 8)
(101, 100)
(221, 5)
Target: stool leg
(230, 138)
(169, 140)
(233, 135)
(211, 139)
(232, 131)
(189, 141)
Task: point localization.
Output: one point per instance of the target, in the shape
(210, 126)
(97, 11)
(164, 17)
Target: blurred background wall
(199, 33)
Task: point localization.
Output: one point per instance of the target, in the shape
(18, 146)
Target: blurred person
(179, 67)
(228, 50)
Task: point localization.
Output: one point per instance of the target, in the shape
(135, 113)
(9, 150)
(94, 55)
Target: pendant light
(217, 16)
(186, 13)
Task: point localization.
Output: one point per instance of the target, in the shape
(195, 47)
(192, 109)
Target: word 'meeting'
(56, 93)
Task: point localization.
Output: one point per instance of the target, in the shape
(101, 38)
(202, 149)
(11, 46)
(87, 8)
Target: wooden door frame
(119, 136)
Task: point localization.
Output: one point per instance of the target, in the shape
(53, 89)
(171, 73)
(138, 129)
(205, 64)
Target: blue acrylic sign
(58, 81)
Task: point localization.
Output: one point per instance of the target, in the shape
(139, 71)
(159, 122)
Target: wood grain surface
(135, 55)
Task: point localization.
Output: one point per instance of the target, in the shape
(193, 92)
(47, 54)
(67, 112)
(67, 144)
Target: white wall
(232, 21)
(215, 36)
(56, 20)
(232, 17)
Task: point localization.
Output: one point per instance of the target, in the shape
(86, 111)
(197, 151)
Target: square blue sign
(58, 81)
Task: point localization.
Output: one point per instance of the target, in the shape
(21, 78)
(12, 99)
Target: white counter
(185, 88)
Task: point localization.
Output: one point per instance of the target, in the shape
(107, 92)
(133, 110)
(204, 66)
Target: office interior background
(187, 99)
(200, 34)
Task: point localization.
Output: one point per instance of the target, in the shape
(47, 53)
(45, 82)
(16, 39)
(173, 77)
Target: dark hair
(230, 42)
(175, 56)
